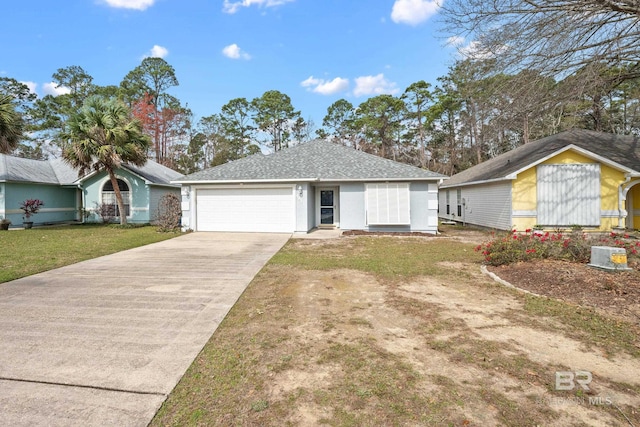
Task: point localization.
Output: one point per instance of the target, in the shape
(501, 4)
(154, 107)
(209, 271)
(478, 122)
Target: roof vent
(609, 258)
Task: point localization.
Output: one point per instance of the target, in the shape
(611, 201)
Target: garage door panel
(246, 209)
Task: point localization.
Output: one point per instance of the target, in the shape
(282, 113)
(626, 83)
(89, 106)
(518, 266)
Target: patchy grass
(26, 252)
(387, 331)
(388, 257)
(586, 324)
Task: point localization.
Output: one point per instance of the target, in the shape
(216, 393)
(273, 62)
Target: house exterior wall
(486, 205)
(60, 203)
(351, 206)
(311, 207)
(423, 198)
(634, 211)
(524, 193)
(156, 193)
(424, 206)
(2, 192)
(139, 202)
(304, 207)
(352, 210)
(524, 190)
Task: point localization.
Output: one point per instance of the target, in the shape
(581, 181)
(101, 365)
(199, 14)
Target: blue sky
(315, 51)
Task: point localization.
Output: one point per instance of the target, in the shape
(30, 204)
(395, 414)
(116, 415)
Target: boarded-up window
(569, 194)
(388, 204)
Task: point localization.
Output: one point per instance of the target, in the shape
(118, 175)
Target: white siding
(569, 194)
(486, 205)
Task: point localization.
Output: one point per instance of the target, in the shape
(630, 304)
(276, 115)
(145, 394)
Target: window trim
(127, 200)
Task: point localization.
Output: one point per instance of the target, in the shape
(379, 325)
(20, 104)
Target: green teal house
(67, 196)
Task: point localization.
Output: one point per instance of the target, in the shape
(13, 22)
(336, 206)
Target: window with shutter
(387, 204)
(568, 194)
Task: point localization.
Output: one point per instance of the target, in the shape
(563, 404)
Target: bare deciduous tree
(555, 37)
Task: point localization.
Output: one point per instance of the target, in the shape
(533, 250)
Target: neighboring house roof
(153, 173)
(317, 160)
(622, 151)
(18, 169)
(58, 172)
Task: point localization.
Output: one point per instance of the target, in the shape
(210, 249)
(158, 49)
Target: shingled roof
(317, 160)
(623, 150)
(58, 172)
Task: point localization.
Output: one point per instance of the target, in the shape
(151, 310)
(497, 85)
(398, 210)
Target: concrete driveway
(103, 342)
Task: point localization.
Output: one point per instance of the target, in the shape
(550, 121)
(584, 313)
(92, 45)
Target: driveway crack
(118, 390)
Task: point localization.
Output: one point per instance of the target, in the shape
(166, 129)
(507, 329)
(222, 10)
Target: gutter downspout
(622, 213)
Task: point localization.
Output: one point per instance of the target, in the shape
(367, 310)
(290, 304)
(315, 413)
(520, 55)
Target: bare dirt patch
(426, 339)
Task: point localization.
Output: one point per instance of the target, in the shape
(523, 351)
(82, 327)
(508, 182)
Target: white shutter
(569, 194)
(388, 204)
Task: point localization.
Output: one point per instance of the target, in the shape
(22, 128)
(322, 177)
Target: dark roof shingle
(58, 172)
(316, 160)
(621, 149)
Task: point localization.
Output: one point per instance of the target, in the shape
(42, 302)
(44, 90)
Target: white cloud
(374, 85)
(474, 50)
(233, 51)
(455, 41)
(413, 12)
(234, 6)
(53, 89)
(324, 87)
(130, 4)
(33, 86)
(157, 51)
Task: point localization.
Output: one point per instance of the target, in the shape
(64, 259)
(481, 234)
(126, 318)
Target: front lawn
(26, 252)
(402, 331)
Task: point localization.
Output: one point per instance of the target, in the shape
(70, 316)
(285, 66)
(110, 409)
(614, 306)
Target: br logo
(566, 380)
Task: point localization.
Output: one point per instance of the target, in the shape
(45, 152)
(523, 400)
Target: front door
(328, 206)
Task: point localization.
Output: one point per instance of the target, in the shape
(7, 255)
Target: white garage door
(246, 209)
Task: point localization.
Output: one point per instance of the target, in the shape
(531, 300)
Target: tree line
(472, 113)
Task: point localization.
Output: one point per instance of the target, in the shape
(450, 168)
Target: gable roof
(621, 151)
(58, 172)
(317, 160)
(155, 173)
(18, 169)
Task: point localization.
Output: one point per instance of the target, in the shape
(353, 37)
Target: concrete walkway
(103, 342)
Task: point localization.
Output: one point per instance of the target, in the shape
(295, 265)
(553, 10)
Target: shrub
(169, 213)
(106, 211)
(574, 246)
(31, 207)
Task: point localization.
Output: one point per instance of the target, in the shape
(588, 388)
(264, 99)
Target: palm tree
(10, 124)
(103, 136)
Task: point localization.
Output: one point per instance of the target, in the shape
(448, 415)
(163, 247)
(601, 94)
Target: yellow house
(578, 177)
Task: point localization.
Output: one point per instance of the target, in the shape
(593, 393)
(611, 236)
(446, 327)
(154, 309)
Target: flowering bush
(31, 207)
(574, 246)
